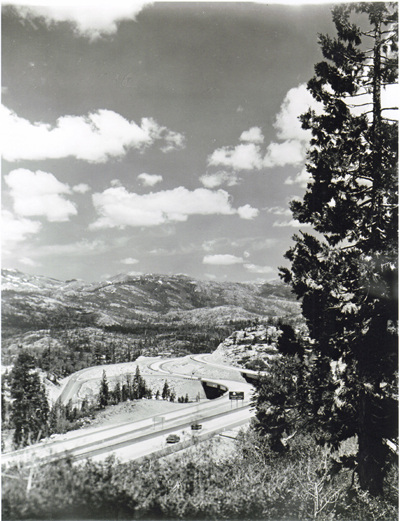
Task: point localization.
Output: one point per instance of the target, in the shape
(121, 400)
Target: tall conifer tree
(103, 392)
(30, 408)
(345, 271)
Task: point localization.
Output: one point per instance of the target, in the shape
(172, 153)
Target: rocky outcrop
(252, 347)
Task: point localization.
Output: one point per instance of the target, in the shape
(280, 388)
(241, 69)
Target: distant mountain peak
(126, 299)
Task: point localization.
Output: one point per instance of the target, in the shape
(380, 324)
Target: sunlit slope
(38, 302)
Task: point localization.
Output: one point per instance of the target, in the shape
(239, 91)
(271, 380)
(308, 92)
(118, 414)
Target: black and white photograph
(199, 274)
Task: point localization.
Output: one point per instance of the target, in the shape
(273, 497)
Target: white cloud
(39, 194)
(219, 178)
(247, 212)
(91, 19)
(16, 229)
(119, 208)
(254, 268)
(302, 178)
(279, 210)
(129, 261)
(222, 260)
(253, 135)
(81, 188)
(175, 141)
(292, 150)
(94, 138)
(150, 180)
(293, 223)
(297, 101)
(242, 157)
(289, 152)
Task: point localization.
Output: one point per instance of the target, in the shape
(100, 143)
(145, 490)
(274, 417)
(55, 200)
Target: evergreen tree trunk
(371, 452)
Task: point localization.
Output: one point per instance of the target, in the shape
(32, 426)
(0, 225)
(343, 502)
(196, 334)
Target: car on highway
(173, 438)
(196, 426)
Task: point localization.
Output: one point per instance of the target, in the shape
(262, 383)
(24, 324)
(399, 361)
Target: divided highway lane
(116, 439)
(130, 449)
(134, 440)
(203, 359)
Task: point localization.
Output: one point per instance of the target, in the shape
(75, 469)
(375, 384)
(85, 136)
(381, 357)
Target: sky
(155, 137)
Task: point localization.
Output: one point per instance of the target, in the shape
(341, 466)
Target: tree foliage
(103, 393)
(198, 485)
(29, 408)
(345, 271)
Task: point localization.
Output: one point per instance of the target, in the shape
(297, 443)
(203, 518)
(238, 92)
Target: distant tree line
(67, 350)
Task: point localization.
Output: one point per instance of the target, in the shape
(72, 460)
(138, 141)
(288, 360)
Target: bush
(254, 483)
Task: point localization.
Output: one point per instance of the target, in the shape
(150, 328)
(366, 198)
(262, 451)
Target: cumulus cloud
(39, 194)
(289, 152)
(254, 268)
(91, 19)
(149, 180)
(94, 138)
(253, 135)
(174, 141)
(293, 223)
(302, 179)
(245, 156)
(290, 147)
(297, 101)
(81, 188)
(247, 212)
(16, 229)
(218, 179)
(129, 261)
(119, 208)
(279, 210)
(222, 260)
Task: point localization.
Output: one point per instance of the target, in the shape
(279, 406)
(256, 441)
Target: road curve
(135, 440)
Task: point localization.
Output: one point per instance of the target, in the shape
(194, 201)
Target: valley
(72, 325)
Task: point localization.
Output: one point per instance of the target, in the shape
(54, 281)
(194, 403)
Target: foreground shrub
(251, 484)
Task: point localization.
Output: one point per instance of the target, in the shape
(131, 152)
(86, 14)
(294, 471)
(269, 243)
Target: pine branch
(354, 105)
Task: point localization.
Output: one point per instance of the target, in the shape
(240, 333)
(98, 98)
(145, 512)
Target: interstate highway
(135, 440)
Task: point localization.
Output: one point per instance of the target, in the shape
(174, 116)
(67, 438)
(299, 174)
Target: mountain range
(37, 302)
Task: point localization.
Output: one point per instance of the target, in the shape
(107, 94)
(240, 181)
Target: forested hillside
(71, 325)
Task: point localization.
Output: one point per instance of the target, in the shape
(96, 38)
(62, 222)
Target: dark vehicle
(173, 438)
(196, 426)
